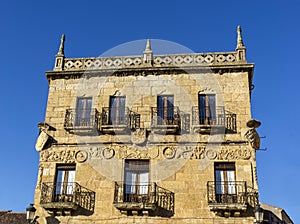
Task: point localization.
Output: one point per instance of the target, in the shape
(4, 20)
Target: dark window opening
(207, 109)
(165, 109)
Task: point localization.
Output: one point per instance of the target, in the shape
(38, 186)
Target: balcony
(66, 198)
(219, 120)
(165, 120)
(118, 120)
(80, 122)
(147, 199)
(230, 197)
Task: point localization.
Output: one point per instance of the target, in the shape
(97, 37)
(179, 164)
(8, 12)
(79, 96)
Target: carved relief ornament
(75, 155)
(200, 152)
(138, 136)
(126, 152)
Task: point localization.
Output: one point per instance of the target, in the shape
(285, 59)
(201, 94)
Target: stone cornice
(144, 71)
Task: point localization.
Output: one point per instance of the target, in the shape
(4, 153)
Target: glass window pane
(202, 110)
(212, 106)
(59, 181)
(130, 182)
(230, 181)
(144, 181)
(70, 182)
(219, 182)
(160, 108)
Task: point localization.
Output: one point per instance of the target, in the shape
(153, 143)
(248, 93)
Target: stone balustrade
(179, 60)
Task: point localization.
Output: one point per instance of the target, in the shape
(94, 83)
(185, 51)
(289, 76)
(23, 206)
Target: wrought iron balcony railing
(149, 197)
(118, 119)
(213, 117)
(165, 118)
(230, 195)
(84, 120)
(67, 195)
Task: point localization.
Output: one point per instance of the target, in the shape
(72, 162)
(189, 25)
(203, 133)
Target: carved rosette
(81, 156)
(108, 153)
(169, 152)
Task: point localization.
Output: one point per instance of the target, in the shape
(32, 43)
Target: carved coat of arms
(138, 137)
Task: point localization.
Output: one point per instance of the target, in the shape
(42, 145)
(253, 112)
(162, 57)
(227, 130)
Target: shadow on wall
(52, 220)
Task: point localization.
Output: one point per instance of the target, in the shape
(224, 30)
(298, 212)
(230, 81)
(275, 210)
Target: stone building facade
(275, 215)
(148, 139)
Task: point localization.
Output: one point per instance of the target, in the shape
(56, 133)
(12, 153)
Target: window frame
(136, 188)
(65, 187)
(225, 186)
(165, 109)
(83, 115)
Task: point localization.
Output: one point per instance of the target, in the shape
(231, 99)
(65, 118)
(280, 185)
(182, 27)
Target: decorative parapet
(148, 59)
(180, 60)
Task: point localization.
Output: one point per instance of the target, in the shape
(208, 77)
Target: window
(117, 110)
(64, 184)
(225, 181)
(165, 109)
(136, 175)
(83, 111)
(207, 109)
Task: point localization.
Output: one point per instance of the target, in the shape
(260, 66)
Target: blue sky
(30, 35)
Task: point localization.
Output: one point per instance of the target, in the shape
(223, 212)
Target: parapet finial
(59, 57)
(148, 46)
(61, 50)
(240, 43)
(240, 47)
(148, 54)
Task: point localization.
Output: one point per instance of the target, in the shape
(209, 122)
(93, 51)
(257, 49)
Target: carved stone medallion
(138, 136)
(81, 156)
